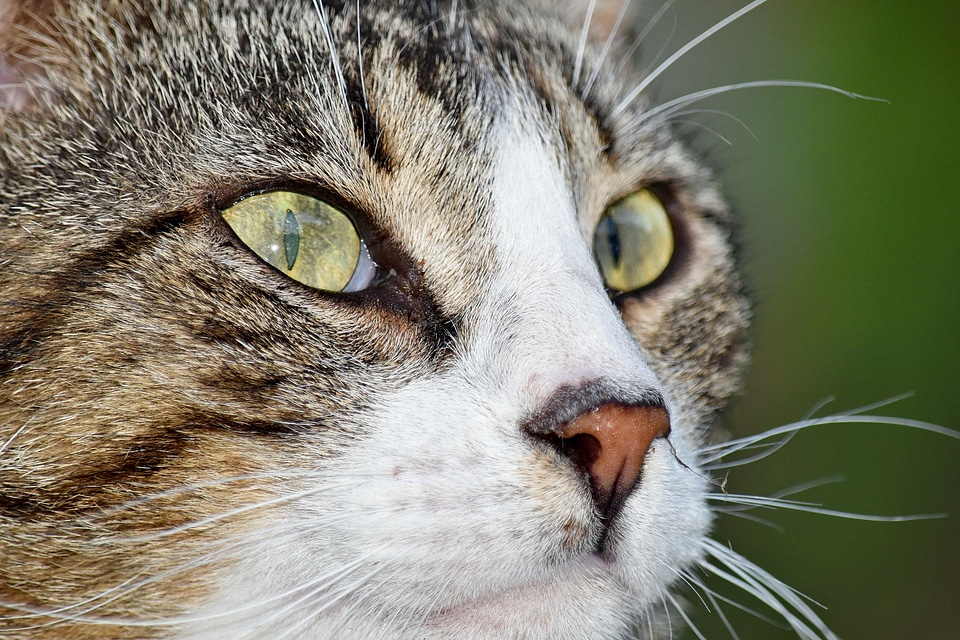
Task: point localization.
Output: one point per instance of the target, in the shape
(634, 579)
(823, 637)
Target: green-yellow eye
(633, 241)
(306, 238)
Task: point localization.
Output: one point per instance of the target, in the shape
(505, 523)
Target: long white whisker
(766, 588)
(725, 114)
(625, 59)
(700, 125)
(718, 451)
(79, 612)
(817, 406)
(696, 582)
(363, 84)
(767, 450)
(334, 58)
(25, 422)
(606, 50)
(234, 512)
(761, 592)
(667, 108)
(682, 51)
(743, 514)
(690, 625)
(740, 511)
(169, 493)
(792, 505)
(716, 598)
(341, 593)
(806, 486)
(666, 611)
(31, 612)
(582, 47)
(878, 405)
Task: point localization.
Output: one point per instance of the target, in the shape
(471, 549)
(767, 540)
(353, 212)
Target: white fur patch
(448, 522)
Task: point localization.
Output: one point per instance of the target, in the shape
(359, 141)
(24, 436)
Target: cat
(349, 320)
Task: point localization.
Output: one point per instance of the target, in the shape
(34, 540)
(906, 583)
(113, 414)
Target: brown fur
(144, 354)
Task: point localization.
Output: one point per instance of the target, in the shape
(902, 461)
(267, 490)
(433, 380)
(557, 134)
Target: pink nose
(610, 442)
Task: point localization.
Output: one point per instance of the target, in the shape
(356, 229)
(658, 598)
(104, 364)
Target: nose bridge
(568, 313)
(547, 309)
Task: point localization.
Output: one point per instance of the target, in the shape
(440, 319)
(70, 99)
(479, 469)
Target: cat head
(483, 421)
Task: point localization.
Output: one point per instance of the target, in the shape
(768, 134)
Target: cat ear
(22, 23)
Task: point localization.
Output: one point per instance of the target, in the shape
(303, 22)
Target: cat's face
(493, 432)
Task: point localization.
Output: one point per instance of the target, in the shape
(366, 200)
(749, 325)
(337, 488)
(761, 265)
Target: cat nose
(610, 443)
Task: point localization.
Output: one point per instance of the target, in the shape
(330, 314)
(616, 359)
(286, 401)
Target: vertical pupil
(291, 239)
(613, 239)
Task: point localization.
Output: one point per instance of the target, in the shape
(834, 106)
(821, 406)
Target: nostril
(582, 449)
(609, 443)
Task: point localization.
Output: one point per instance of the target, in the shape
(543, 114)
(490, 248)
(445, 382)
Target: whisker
(792, 505)
(606, 49)
(716, 598)
(26, 422)
(304, 600)
(725, 114)
(208, 484)
(33, 612)
(766, 450)
(818, 405)
(716, 606)
(628, 54)
(334, 58)
(741, 510)
(700, 125)
(363, 84)
(235, 512)
(666, 611)
(766, 588)
(667, 108)
(78, 612)
(582, 47)
(718, 451)
(686, 619)
(878, 405)
(742, 513)
(682, 51)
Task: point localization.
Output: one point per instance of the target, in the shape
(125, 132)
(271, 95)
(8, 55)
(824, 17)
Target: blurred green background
(850, 217)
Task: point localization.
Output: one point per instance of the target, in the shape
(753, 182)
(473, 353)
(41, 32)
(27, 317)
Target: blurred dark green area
(850, 214)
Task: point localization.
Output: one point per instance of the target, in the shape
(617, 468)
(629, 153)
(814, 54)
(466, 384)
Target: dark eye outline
(398, 289)
(362, 273)
(666, 193)
(396, 285)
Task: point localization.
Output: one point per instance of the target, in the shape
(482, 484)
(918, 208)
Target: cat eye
(633, 241)
(307, 239)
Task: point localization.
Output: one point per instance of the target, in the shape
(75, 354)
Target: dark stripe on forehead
(367, 128)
